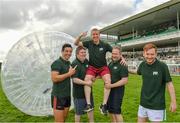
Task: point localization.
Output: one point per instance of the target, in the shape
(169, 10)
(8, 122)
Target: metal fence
(174, 69)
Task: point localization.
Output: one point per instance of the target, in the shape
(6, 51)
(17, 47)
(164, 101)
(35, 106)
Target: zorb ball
(26, 71)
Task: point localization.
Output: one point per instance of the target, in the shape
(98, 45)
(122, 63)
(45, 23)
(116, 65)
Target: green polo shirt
(155, 77)
(61, 88)
(117, 71)
(97, 53)
(78, 90)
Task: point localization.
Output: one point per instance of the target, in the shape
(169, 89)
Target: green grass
(9, 113)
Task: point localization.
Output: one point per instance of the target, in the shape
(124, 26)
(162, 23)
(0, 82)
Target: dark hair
(66, 45)
(79, 48)
(149, 46)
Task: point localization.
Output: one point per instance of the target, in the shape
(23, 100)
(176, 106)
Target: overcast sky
(20, 17)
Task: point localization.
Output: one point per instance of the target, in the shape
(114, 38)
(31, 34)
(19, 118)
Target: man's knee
(89, 78)
(106, 78)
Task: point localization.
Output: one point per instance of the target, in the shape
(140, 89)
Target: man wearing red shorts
(97, 66)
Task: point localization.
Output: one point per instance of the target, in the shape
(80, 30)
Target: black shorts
(60, 103)
(115, 101)
(114, 106)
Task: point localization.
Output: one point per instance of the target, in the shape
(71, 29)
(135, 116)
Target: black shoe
(103, 109)
(88, 108)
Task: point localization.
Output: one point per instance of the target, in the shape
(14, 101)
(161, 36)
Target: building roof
(154, 16)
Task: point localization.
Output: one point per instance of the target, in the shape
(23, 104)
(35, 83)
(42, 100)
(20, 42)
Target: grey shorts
(80, 104)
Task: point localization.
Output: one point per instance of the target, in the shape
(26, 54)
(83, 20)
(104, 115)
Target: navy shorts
(60, 103)
(114, 106)
(80, 104)
(115, 101)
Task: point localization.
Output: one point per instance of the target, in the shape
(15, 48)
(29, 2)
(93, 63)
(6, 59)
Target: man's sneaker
(88, 108)
(103, 109)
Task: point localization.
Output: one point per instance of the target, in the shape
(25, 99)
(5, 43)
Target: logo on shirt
(101, 49)
(87, 66)
(155, 73)
(115, 67)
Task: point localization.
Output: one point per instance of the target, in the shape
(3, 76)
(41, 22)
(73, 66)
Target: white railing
(153, 38)
(174, 69)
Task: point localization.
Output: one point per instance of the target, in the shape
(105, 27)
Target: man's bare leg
(142, 119)
(87, 91)
(113, 118)
(58, 115)
(66, 111)
(77, 118)
(103, 107)
(107, 79)
(91, 116)
(119, 118)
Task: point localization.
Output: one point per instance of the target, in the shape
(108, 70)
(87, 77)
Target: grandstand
(159, 25)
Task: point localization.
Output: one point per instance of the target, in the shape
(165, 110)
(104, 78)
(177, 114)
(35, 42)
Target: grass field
(9, 113)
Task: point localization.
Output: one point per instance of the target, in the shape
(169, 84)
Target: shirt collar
(67, 62)
(79, 60)
(114, 62)
(97, 44)
(155, 61)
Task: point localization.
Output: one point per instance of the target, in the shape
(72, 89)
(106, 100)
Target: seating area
(168, 55)
(156, 30)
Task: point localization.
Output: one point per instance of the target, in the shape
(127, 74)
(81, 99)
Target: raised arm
(78, 39)
(172, 94)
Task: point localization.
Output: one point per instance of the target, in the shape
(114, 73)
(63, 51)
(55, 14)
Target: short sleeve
(124, 71)
(166, 74)
(139, 69)
(56, 66)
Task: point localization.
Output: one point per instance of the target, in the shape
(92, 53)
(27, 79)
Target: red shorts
(97, 71)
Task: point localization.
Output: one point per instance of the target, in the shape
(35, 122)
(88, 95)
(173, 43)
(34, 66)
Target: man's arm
(132, 71)
(78, 39)
(172, 94)
(81, 82)
(56, 77)
(123, 61)
(121, 82)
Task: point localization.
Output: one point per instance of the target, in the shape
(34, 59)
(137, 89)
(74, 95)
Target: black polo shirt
(78, 90)
(97, 53)
(117, 71)
(155, 77)
(61, 88)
